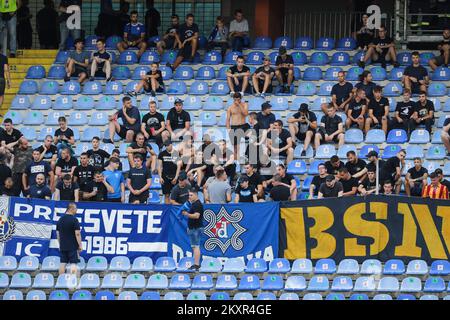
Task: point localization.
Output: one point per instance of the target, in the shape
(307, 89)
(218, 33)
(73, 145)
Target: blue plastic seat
(306, 89)
(295, 283)
(340, 59)
(233, 265)
(440, 267)
(42, 103)
(121, 73)
(394, 267)
(150, 295)
(98, 119)
(365, 284)
(312, 74)
(34, 118)
(397, 136)
(196, 296)
(279, 265)
(20, 280)
(331, 74)
(299, 58)
(63, 103)
(90, 42)
(61, 57)
(183, 73)
(441, 74)
(66, 281)
(222, 73)
(92, 87)
(89, 281)
(388, 284)
(104, 295)
(211, 265)
(325, 43)
(219, 296)
(266, 296)
(420, 136)
(346, 44)
(437, 89)
(49, 87)
(404, 58)
(78, 118)
(436, 153)
(199, 88)
(226, 282)
(184, 264)
(359, 296)
(411, 284)
(158, 281)
(20, 102)
(248, 282)
(325, 151)
(302, 266)
(283, 41)
(44, 281)
(97, 264)
(319, 59)
(35, 72)
(273, 283)
(56, 72)
(414, 151)
(29, 133)
(180, 281)
(165, 264)
(312, 296)
(173, 296)
(325, 266)
(353, 73)
(219, 88)
(36, 295)
(81, 295)
(390, 151)
(441, 120)
(112, 281)
(169, 56)
(431, 166)
(205, 73)
(28, 263)
(325, 89)
(84, 103)
(303, 43)
(396, 74)
(417, 267)
(335, 296)
(348, 266)
(148, 57)
(256, 265)
(255, 58)
(202, 282)
(212, 58)
(434, 284)
(59, 295)
(177, 88)
(71, 88)
(208, 118)
(279, 103)
(382, 297)
(378, 73)
(230, 57)
(50, 263)
(342, 151)
(425, 57)
(318, 283)
(113, 88)
(436, 137)
(342, 284)
(354, 136)
(296, 167)
(120, 263)
(139, 72)
(262, 43)
(393, 89)
(13, 295)
(429, 297)
(375, 136)
(128, 57)
(243, 296)
(15, 116)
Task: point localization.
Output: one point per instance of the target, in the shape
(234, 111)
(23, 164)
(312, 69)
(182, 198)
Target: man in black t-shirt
(440, 175)
(378, 111)
(64, 136)
(331, 128)
(415, 76)
(279, 142)
(303, 125)
(354, 165)
(334, 165)
(151, 82)
(287, 180)
(131, 119)
(67, 190)
(445, 135)
(332, 188)
(178, 121)
(381, 49)
(188, 34)
(101, 62)
(284, 69)
(317, 181)
(83, 173)
(195, 225)
(369, 184)
(49, 152)
(349, 184)
(444, 48)
(171, 39)
(279, 190)
(244, 191)
(416, 179)
(9, 137)
(403, 113)
(392, 170)
(262, 78)
(254, 178)
(341, 93)
(423, 113)
(168, 169)
(153, 126)
(138, 181)
(141, 147)
(96, 189)
(97, 156)
(238, 77)
(65, 165)
(356, 110)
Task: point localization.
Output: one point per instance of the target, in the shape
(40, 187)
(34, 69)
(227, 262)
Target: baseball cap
(329, 178)
(168, 142)
(372, 154)
(282, 50)
(178, 100)
(182, 176)
(266, 105)
(303, 107)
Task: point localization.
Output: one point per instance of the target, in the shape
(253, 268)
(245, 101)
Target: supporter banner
(380, 227)
(107, 229)
(230, 231)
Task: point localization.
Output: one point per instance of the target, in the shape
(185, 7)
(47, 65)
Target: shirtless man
(236, 123)
(186, 150)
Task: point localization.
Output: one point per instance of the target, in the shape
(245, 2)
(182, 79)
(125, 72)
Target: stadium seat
(437, 104)
(66, 281)
(165, 264)
(166, 73)
(359, 56)
(414, 151)
(382, 297)
(77, 118)
(436, 153)
(104, 295)
(393, 89)
(318, 283)
(417, 267)
(180, 281)
(312, 74)
(420, 136)
(295, 283)
(49, 87)
(429, 297)
(440, 267)
(98, 119)
(325, 151)
(306, 89)
(222, 73)
(353, 74)
(90, 42)
(354, 136)
(312, 296)
(397, 136)
(325, 44)
(106, 103)
(348, 266)
(148, 57)
(226, 282)
(81, 295)
(219, 88)
(150, 295)
(404, 58)
(97, 264)
(212, 58)
(112, 281)
(411, 284)
(249, 282)
(303, 43)
(205, 73)
(233, 265)
(15, 116)
(279, 265)
(63, 103)
(42, 103)
(425, 57)
(437, 89)
(340, 59)
(219, 296)
(325, 266)
(89, 281)
(396, 74)
(284, 41)
(56, 72)
(36, 295)
(375, 136)
(434, 284)
(359, 296)
(441, 74)
(431, 165)
(71, 88)
(266, 296)
(184, 264)
(20, 103)
(84, 103)
(90, 133)
(199, 88)
(255, 58)
(388, 284)
(441, 120)
(59, 295)
(121, 73)
(177, 88)
(390, 151)
(61, 57)
(34, 118)
(325, 89)
(346, 44)
(210, 265)
(35, 72)
(173, 296)
(378, 73)
(299, 58)
(230, 57)
(365, 284)
(394, 267)
(243, 296)
(120, 264)
(128, 57)
(29, 133)
(196, 296)
(28, 263)
(342, 151)
(13, 295)
(158, 281)
(43, 281)
(183, 73)
(302, 266)
(50, 263)
(436, 137)
(208, 119)
(279, 103)
(342, 284)
(296, 167)
(262, 43)
(92, 87)
(202, 282)
(256, 265)
(335, 296)
(139, 72)
(319, 59)
(331, 74)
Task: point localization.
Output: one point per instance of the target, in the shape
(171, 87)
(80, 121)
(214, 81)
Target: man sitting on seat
(262, 78)
(415, 76)
(404, 112)
(331, 128)
(280, 143)
(378, 111)
(133, 35)
(435, 190)
(356, 110)
(341, 93)
(284, 70)
(151, 82)
(77, 63)
(416, 179)
(178, 121)
(444, 48)
(303, 125)
(423, 113)
(238, 76)
(101, 62)
(381, 49)
(171, 39)
(131, 119)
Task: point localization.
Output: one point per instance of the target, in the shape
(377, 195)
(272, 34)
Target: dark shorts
(284, 74)
(2, 86)
(439, 60)
(185, 52)
(100, 73)
(69, 256)
(302, 135)
(169, 42)
(78, 71)
(415, 87)
(167, 186)
(123, 132)
(238, 132)
(113, 200)
(195, 236)
(148, 88)
(157, 138)
(142, 198)
(335, 139)
(261, 86)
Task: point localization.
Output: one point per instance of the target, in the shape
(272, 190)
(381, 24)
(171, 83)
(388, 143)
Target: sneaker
(91, 79)
(257, 94)
(383, 65)
(232, 93)
(303, 154)
(194, 267)
(169, 65)
(66, 78)
(132, 93)
(109, 79)
(262, 95)
(153, 93)
(361, 64)
(12, 55)
(242, 94)
(107, 141)
(396, 64)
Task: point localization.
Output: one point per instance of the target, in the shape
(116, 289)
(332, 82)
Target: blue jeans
(194, 236)
(9, 28)
(64, 32)
(238, 43)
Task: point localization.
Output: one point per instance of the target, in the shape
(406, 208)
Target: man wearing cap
(195, 225)
(180, 193)
(303, 125)
(169, 168)
(236, 121)
(238, 77)
(443, 181)
(265, 117)
(244, 192)
(331, 188)
(262, 78)
(284, 70)
(131, 118)
(178, 121)
(139, 181)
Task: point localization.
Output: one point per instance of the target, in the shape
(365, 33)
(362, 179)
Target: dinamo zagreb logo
(7, 227)
(223, 229)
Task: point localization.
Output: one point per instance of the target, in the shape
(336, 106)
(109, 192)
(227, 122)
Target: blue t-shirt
(114, 179)
(134, 31)
(35, 168)
(40, 191)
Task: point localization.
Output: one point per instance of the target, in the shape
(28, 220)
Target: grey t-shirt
(79, 57)
(218, 190)
(180, 195)
(331, 192)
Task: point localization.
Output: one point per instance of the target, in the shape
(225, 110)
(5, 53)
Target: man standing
(8, 10)
(279, 191)
(303, 125)
(262, 78)
(5, 78)
(239, 31)
(286, 180)
(280, 143)
(77, 63)
(284, 70)
(101, 62)
(22, 157)
(341, 93)
(96, 189)
(180, 193)
(236, 122)
(423, 113)
(415, 76)
(133, 35)
(169, 168)
(435, 190)
(254, 180)
(142, 148)
(63, 17)
(66, 164)
(153, 125)
(97, 156)
(114, 181)
(139, 181)
(152, 20)
(178, 121)
(219, 190)
(195, 226)
(69, 239)
(392, 170)
(49, 152)
(238, 77)
(84, 173)
(331, 188)
(416, 179)
(131, 119)
(188, 34)
(35, 168)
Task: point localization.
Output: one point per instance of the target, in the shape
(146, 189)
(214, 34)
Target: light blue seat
(199, 88)
(303, 43)
(211, 265)
(13, 295)
(420, 136)
(255, 58)
(312, 74)
(289, 296)
(393, 89)
(35, 72)
(390, 151)
(66, 281)
(196, 296)
(342, 151)
(256, 265)
(28, 263)
(436, 137)
(429, 297)
(417, 267)
(266, 296)
(406, 297)
(106, 103)
(365, 284)
(348, 266)
(89, 281)
(29, 133)
(279, 103)
(411, 284)
(342, 284)
(434, 284)
(359, 296)
(71, 88)
(233, 265)
(61, 57)
(128, 57)
(353, 73)
(45, 131)
(20, 280)
(295, 283)
(394, 267)
(81, 147)
(273, 57)
(441, 74)
(92, 87)
(135, 281)
(120, 263)
(375, 136)
(437, 89)
(121, 73)
(156, 184)
(331, 74)
(148, 57)
(382, 297)
(283, 41)
(77, 118)
(28, 87)
(139, 72)
(226, 282)
(132, 86)
(335, 296)
(222, 73)
(446, 172)
(354, 136)
(81, 295)
(205, 73)
(297, 102)
(425, 57)
(440, 267)
(20, 102)
(42, 103)
(177, 88)
(231, 57)
(340, 59)
(15, 116)
(306, 89)
(212, 58)
(249, 282)
(150, 295)
(84, 103)
(202, 282)
(302, 266)
(414, 151)
(243, 296)
(325, 266)
(431, 165)
(56, 72)
(90, 133)
(219, 88)
(279, 265)
(397, 136)
(34, 118)
(104, 295)
(112, 281)
(113, 87)
(325, 43)
(183, 73)
(318, 283)
(97, 264)
(388, 284)
(346, 44)
(180, 281)
(158, 281)
(378, 73)
(325, 151)
(396, 74)
(63, 103)
(273, 283)
(436, 153)
(166, 72)
(314, 167)
(184, 264)
(36, 295)
(44, 281)
(208, 118)
(317, 106)
(98, 119)
(312, 296)
(404, 58)
(4, 280)
(49, 87)
(165, 264)
(437, 104)
(173, 296)
(318, 59)
(325, 89)
(441, 120)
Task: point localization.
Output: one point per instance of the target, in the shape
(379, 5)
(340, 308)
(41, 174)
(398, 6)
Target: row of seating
(234, 265)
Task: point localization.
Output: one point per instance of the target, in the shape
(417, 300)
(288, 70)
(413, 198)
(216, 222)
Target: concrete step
(37, 53)
(31, 61)
(23, 68)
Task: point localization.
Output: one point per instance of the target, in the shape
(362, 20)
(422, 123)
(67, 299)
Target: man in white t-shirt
(239, 31)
